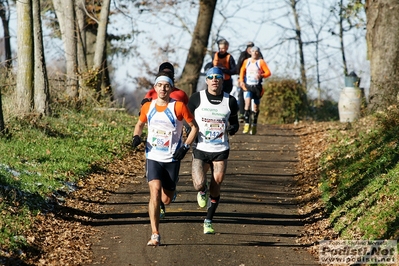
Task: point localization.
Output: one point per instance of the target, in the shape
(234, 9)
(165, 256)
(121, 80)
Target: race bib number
(214, 132)
(161, 140)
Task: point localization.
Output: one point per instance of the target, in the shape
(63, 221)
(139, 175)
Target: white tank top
(212, 121)
(252, 73)
(164, 133)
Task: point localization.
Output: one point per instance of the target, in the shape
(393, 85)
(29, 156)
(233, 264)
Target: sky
(269, 24)
(165, 35)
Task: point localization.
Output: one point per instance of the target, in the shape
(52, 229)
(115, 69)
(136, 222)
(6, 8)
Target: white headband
(164, 78)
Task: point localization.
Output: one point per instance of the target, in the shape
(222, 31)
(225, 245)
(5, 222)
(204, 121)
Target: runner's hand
(180, 153)
(136, 141)
(232, 130)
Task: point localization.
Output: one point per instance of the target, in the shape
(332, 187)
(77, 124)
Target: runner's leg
(199, 170)
(219, 170)
(154, 204)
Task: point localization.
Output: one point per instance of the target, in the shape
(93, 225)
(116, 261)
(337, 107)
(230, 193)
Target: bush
(325, 110)
(284, 101)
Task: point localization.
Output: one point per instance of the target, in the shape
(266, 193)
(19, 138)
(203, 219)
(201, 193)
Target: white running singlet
(253, 73)
(164, 133)
(212, 120)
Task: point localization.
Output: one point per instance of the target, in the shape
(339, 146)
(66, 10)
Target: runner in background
(226, 62)
(243, 55)
(176, 94)
(252, 73)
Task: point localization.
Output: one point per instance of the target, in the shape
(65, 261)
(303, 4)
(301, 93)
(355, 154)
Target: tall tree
(24, 88)
(80, 9)
(199, 43)
(65, 10)
(2, 124)
(4, 15)
(341, 35)
(298, 38)
(99, 62)
(317, 25)
(41, 86)
(5, 18)
(349, 17)
(383, 52)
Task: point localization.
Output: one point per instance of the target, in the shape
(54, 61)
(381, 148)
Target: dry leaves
(314, 141)
(63, 236)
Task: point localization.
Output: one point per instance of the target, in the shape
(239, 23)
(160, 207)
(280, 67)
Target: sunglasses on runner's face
(216, 76)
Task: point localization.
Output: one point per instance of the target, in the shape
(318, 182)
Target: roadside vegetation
(349, 179)
(360, 175)
(284, 102)
(42, 160)
(55, 170)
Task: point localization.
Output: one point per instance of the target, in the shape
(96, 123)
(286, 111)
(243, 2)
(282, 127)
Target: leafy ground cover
(42, 161)
(56, 172)
(349, 179)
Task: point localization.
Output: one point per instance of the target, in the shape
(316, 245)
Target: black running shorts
(168, 173)
(210, 157)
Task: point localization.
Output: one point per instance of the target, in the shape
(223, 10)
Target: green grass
(360, 170)
(360, 179)
(41, 156)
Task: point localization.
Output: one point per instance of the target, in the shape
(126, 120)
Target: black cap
(250, 44)
(166, 65)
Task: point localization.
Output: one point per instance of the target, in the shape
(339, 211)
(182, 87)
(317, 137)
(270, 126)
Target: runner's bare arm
(193, 132)
(138, 129)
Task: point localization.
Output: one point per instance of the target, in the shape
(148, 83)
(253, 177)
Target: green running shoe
(208, 228)
(162, 213)
(202, 199)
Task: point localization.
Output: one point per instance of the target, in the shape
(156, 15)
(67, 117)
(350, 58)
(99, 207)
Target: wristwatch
(187, 146)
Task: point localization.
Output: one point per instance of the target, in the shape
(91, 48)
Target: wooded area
(87, 43)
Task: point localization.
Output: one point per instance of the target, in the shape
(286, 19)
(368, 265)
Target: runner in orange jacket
(226, 62)
(176, 94)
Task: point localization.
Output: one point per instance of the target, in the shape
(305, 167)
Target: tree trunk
(300, 44)
(341, 36)
(81, 46)
(199, 43)
(81, 33)
(5, 18)
(100, 54)
(41, 86)
(90, 47)
(2, 124)
(101, 35)
(65, 11)
(4, 15)
(106, 82)
(383, 52)
(24, 88)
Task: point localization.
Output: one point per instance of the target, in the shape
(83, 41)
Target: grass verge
(360, 178)
(43, 159)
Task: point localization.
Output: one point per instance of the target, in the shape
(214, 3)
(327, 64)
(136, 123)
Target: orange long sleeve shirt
(265, 71)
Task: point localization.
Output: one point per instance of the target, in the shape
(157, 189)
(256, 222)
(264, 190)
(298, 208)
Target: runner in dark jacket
(226, 62)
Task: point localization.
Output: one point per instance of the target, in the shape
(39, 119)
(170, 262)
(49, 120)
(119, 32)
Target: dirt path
(256, 223)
